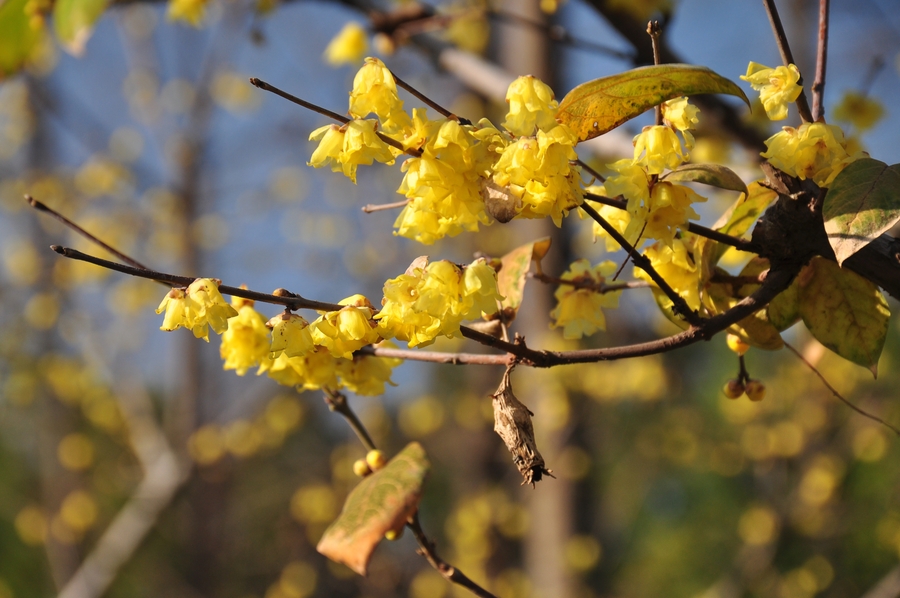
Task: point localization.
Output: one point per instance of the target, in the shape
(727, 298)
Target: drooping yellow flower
(657, 148)
(348, 46)
(479, 291)
(191, 12)
(175, 304)
(246, 342)
(670, 209)
(531, 104)
(683, 116)
(344, 148)
(579, 310)
(375, 92)
(619, 219)
(366, 374)
(314, 370)
(676, 265)
(200, 307)
(860, 111)
(347, 330)
(777, 87)
(816, 151)
(290, 334)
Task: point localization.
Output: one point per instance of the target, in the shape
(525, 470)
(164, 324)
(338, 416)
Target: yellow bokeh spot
(758, 525)
(821, 570)
(75, 452)
(31, 525)
(61, 531)
(5, 590)
(284, 414)
(20, 388)
(625, 380)
(298, 580)
(102, 411)
(428, 583)
(130, 296)
(582, 553)
(798, 583)
(289, 184)
(78, 511)
(126, 144)
(242, 438)
(756, 442)
(206, 445)
(574, 463)
(315, 503)
(869, 444)
(421, 416)
(472, 412)
(210, 231)
(738, 412)
(42, 311)
(22, 262)
(233, 92)
(513, 583)
(512, 520)
(726, 459)
(818, 485)
(787, 439)
(177, 96)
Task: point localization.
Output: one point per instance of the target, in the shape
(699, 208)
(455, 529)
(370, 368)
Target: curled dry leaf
(499, 202)
(512, 421)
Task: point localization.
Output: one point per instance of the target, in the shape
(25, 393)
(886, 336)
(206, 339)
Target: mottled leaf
(601, 105)
(844, 311)
(741, 216)
(17, 38)
(714, 175)
(73, 21)
(784, 310)
(862, 203)
(382, 502)
(513, 275)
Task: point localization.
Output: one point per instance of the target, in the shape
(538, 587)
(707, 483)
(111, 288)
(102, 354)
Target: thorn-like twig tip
(35, 203)
(58, 249)
(255, 82)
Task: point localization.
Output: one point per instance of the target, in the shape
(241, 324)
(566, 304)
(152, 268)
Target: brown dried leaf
(512, 421)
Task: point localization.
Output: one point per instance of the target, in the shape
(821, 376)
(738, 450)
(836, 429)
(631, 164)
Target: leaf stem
(787, 57)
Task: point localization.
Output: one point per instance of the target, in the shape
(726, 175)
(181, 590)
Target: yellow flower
(479, 290)
(202, 306)
(619, 219)
(246, 342)
(331, 142)
(348, 330)
(579, 310)
(175, 304)
(657, 148)
(676, 265)
(366, 374)
(191, 12)
(290, 334)
(814, 151)
(348, 46)
(669, 209)
(860, 111)
(312, 371)
(375, 92)
(777, 87)
(344, 148)
(682, 115)
(531, 105)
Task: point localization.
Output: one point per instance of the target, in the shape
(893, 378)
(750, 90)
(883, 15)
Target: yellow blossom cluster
(816, 151)
(197, 308)
(675, 263)
(433, 299)
(777, 87)
(579, 305)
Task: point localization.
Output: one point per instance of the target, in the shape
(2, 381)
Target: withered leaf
(512, 421)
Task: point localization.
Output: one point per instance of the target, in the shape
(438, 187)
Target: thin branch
(437, 356)
(693, 227)
(429, 102)
(862, 412)
(326, 112)
(448, 571)
(818, 86)
(654, 31)
(380, 207)
(282, 297)
(337, 402)
(680, 306)
(601, 288)
(786, 56)
(590, 171)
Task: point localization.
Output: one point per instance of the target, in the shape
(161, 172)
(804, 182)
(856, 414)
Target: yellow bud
(393, 535)
(736, 344)
(376, 460)
(733, 389)
(361, 468)
(755, 390)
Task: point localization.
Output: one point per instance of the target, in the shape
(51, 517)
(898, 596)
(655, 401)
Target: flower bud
(756, 390)
(376, 460)
(733, 389)
(361, 468)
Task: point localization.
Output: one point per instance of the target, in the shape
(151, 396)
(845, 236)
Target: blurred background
(128, 451)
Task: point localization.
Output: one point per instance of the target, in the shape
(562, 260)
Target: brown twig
(601, 288)
(438, 356)
(591, 171)
(448, 571)
(380, 207)
(862, 412)
(654, 31)
(818, 86)
(429, 102)
(680, 306)
(787, 56)
(337, 402)
(326, 112)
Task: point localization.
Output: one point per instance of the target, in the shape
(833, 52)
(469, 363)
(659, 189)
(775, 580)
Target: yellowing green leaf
(741, 216)
(381, 503)
(73, 21)
(844, 311)
(598, 106)
(18, 37)
(513, 275)
(784, 310)
(714, 175)
(862, 203)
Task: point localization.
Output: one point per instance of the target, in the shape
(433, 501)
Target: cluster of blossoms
(455, 166)
(578, 310)
(429, 300)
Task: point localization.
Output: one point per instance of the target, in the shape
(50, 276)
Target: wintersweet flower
(619, 219)
(344, 148)
(676, 265)
(579, 310)
(348, 46)
(175, 304)
(683, 116)
(313, 371)
(859, 110)
(290, 334)
(480, 295)
(531, 105)
(670, 209)
(347, 330)
(816, 151)
(657, 148)
(198, 308)
(375, 92)
(777, 87)
(366, 374)
(246, 342)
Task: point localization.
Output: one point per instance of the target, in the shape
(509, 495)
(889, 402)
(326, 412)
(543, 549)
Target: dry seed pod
(512, 421)
(499, 202)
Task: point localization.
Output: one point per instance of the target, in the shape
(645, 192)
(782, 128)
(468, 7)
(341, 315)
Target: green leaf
(73, 21)
(784, 310)
(862, 204)
(844, 311)
(714, 175)
(381, 503)
(598, 106)
(19, 39)
(513, 275)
